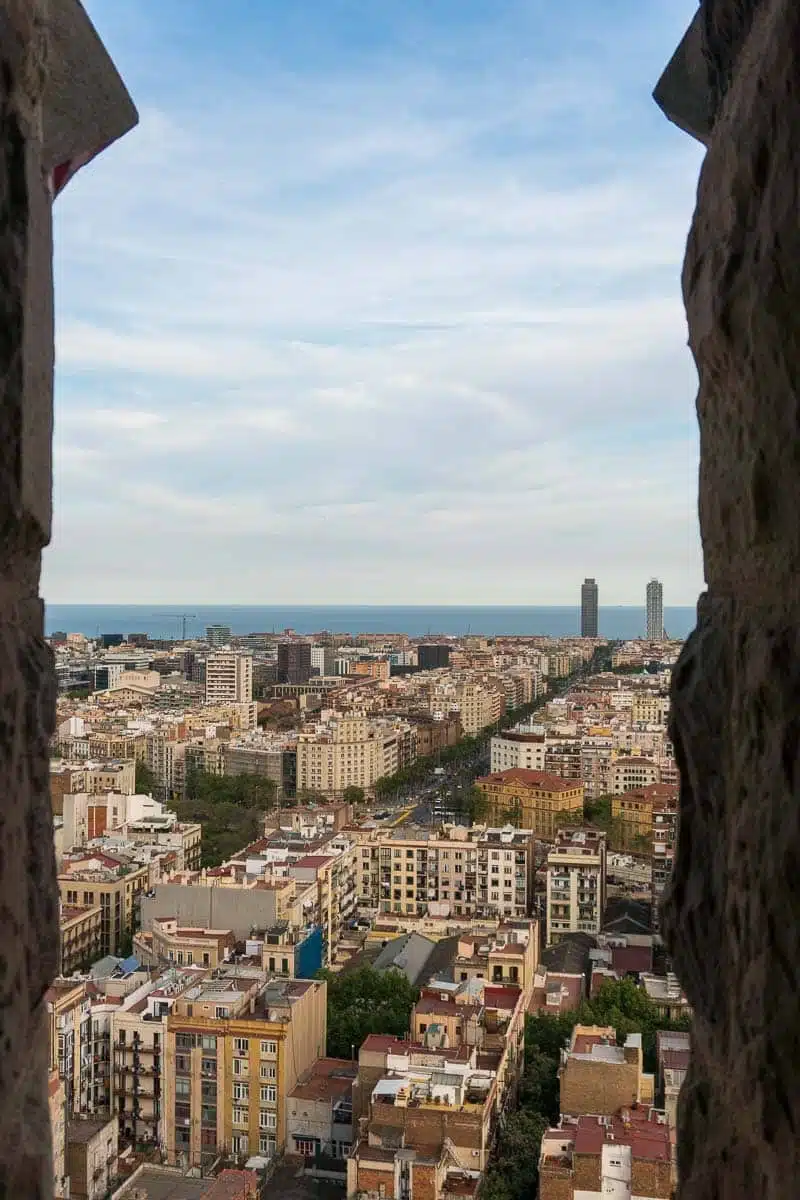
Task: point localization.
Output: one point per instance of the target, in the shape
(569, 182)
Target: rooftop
(532, 779)
(329, 1078)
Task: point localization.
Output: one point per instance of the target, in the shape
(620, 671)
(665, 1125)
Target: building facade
(532, 800)
(589, 608)
(229, 678)
(654, 601)
(576, 883)
(294, 662)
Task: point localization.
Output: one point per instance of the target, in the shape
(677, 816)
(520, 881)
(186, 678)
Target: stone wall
(29, 899)
(732, 916)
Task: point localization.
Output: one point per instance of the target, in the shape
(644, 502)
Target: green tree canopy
(353, 794)
(366, 1001)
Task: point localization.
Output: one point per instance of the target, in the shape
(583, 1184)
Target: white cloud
(399, 336)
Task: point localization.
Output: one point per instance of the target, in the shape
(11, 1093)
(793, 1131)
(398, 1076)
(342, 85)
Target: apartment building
(56, 1103)
(627, 774)
(346, 751)
(80, 937)
(428, 1107)
(665, 835)
(370, 668)
(269, 758)
(70, 1037)
(91, 1157)
(319, 1116)
(673, 1051)
(647, 709)
(294, 662)
(564, 757)
(229, 678)
(635, 811)
(115, 884)
(576, 883)
(478, 706)
(592, 1157)
(236, 1047)
(431, 736)
(517, 749)
(598, 1076)
(458, 871)
(532, 800)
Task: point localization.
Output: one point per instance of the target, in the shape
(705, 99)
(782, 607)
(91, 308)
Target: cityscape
(365, 912)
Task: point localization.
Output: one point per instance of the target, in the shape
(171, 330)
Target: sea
(166, 621)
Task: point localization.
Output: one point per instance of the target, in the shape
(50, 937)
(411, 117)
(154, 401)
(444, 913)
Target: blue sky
(380, 303)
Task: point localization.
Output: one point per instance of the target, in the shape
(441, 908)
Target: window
(268, 1048)
(208, 1043)
(221, 1013)
(266, 1145)
(182, 1063)
(241, 1091)
(267, 1120)
(240, 1116)
(267, 1072)
(206, 959)
(183, 1086)
(269, 1094)
(305, 1146)
(241, 1045)
(241, 1066)
(239, 1144)
(209, 1067)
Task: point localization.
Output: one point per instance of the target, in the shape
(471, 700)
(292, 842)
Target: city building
(431, 656)
(600, 1077)
(236, 1047)
(623, 1156)
(80, 937)
(517, 749)
(655, 611)
(672, 1066)
(532, 800)
(635, 810)
(576, 883)
(218, 635)
(319, 1114)
(229, 677)
(294, 662)
(665, 833)
(91, 1156)
(461, 872)
(92, 878)
(323, 660)
(589, 608)
(631, 774)
(347, 751)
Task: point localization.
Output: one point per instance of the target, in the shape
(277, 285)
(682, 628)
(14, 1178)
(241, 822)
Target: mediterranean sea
(165, 621)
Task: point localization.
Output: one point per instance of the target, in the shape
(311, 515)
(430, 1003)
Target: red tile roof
(533, 779)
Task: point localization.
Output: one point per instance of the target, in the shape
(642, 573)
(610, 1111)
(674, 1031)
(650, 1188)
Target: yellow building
(96, 878)
(70, 1036)
(56, 1099)
(634, 811)
(80, 930)
(532, 800)
(235, 1047)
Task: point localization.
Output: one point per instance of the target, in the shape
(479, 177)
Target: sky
(380, 303)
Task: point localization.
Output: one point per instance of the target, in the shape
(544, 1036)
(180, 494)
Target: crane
(182, 617)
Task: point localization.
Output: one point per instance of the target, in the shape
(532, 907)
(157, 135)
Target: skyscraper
(589, 606)
(655, 611)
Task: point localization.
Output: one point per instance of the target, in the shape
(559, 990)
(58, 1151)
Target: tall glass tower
(589, 608)
(655, 611)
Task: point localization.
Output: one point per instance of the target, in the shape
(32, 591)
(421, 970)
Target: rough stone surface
(732, 918)
(28, 895)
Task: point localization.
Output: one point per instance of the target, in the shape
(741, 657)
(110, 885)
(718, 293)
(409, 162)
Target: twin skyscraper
(654, 610)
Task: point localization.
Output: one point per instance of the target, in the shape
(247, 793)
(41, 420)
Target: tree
(366, 1001)
(353, 794)
(146, 781)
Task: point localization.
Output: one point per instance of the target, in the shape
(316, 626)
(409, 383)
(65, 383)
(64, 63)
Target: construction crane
(182, 617)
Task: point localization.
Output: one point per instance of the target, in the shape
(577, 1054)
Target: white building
(517, 749)
(576, 883)
(229, 677)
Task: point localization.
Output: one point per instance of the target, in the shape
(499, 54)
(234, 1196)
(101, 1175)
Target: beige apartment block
(137, 681)
(91, 1156)
(350, 751)
(650, 710)
(56, 1100)
(630, 773)
(80, 933)
(112, 883)
(70, 1037)
(110, 777)
(576, 883)
(169, 942)
(229, 678)
(457, 872)
(235, 1049)
(516, 749)
(532, 800)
